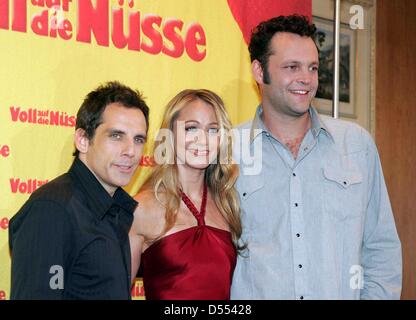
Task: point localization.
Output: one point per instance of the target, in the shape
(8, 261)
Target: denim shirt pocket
(249, 187)
(252, 199)
(342, 193)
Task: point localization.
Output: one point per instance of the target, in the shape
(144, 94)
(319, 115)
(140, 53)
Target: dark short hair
(89, 115)
(261, 36)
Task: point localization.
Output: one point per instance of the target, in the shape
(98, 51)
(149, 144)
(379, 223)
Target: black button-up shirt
(70, 240)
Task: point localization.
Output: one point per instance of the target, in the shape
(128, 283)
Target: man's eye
(292, 67)
(140, 140)
(314, 68)
(115, 136)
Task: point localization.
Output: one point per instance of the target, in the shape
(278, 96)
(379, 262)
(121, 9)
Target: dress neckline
(199, 215)
(182, 231)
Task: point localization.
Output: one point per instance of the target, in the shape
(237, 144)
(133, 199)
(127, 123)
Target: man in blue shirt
(316, 215)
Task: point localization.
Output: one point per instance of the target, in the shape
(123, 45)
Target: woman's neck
(192, 181)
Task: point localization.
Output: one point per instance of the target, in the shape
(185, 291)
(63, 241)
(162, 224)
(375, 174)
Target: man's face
(114, 152)
(293, 71)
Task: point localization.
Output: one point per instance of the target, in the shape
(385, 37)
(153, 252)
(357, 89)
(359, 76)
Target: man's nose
(305, 76)
(129, 148)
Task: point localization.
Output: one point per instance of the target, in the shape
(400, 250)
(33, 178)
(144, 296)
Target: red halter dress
(192, 264)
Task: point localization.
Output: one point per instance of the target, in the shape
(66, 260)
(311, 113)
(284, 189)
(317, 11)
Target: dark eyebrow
(291, 61)
(111, 130)
(298, 62)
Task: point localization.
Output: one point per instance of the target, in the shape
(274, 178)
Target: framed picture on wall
(325, 44)
(357, 60)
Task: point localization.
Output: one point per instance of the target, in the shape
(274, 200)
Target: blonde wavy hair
(220, 176)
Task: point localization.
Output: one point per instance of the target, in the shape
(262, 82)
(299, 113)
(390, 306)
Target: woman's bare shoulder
(147, 200)
(149, 216)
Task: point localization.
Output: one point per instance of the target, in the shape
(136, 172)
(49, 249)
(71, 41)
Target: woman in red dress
(187, 223)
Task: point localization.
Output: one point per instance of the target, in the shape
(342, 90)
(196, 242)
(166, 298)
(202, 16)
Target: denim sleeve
(381, 254)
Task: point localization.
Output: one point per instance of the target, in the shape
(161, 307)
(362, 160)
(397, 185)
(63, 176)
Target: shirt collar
(258, 126)
(318, 124)
(99, 200)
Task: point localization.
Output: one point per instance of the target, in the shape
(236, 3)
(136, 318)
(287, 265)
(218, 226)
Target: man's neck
(287, 129)
(110, 189)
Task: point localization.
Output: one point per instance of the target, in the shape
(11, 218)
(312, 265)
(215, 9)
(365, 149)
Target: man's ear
(257, 71)
(81, 140)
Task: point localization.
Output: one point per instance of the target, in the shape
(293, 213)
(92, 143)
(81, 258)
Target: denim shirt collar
(317, 124)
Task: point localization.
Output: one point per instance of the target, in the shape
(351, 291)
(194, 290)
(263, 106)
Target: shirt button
(297, 235)
(294, 174)
(296, 204)
(300, 266)
(301, 297)
(244, 194)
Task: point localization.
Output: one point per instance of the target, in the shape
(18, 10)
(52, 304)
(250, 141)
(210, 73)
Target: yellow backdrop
(54, 52)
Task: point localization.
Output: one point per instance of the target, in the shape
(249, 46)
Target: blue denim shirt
(319, 226)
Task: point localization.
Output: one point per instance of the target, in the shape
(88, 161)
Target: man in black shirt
(70, 239)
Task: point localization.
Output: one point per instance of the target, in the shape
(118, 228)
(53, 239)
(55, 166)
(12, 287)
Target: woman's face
(196, 133)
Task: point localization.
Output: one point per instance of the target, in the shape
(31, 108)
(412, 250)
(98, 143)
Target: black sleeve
(37, 240)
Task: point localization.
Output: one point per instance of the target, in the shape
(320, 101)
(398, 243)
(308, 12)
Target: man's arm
(381, 255)
(37, 240)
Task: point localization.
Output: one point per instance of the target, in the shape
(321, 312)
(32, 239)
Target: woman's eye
(213, 130)
(190, 129)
